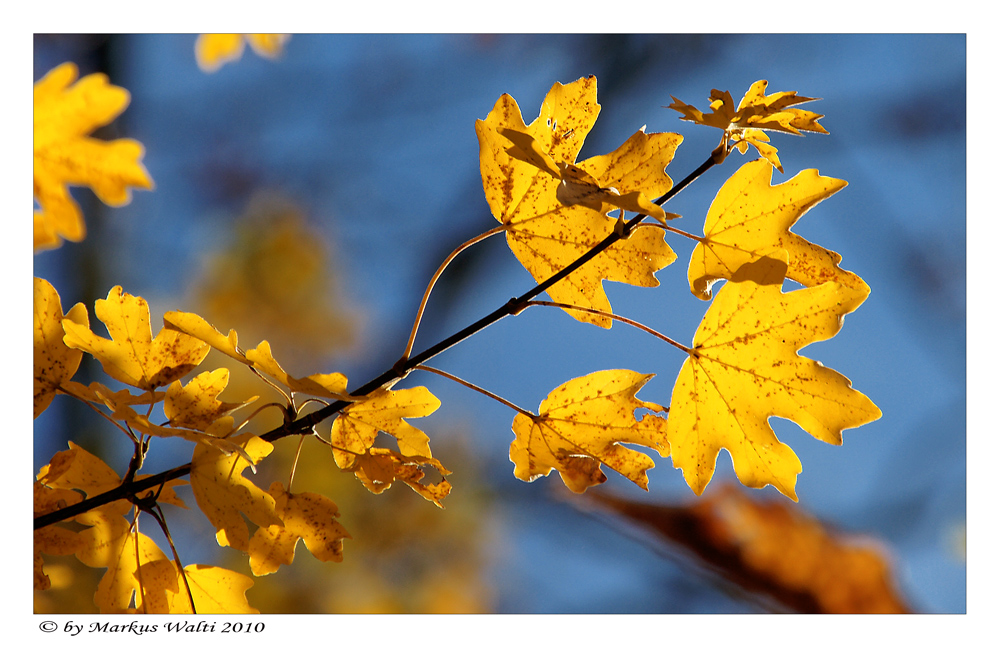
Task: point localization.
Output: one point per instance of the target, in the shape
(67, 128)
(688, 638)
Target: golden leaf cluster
(742, 367)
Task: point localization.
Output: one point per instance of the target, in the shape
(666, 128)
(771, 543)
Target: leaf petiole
(620, 318)
(477, 388)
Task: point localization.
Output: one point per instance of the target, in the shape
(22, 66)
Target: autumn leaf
(214, 590)
(547, 235)
(750, 219)
(331, 385)
(196, 405)
(133, 355)
(378, 468)
(582, 425)
(224, 495)
(212, 51)
(55, 363)
(65, 113)
(355, 429)
(309, 516)
(576, 186)
(774, 547)
(743, 368)
(756, 113)
(52, 540)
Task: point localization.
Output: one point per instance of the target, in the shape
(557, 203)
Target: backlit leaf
(215, 590)
(65, 113)
(224, 495)
(757, 112)
(355, 429)
(545, 234)
(582, 425)
(750, 219)
(55, 363)
(308, 516)
(744, 368)
(133, 355)
(196, 405)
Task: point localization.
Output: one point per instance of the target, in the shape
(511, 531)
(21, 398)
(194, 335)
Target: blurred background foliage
(307, 199)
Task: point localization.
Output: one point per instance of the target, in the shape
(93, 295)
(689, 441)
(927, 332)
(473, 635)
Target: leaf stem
(675, 230)
(620, 318)
(484, 392)
(430, 286)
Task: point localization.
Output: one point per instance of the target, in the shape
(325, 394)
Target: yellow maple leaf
(577, 186)
(52, 540)
(744, 367)
(355, 429)
(132, 355)
(196, 405)
(750, 219)
(309, 516)
(212, 51)
(224, 495)
(55, 363)
(757, 112)
(582, 425)
(547, 235)
(331, 385)
(64, 114)
(214, 590)
(378, 468)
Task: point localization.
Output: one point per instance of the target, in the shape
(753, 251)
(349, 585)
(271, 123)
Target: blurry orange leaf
(582, 424)
(775, 548)
(224, 495)
(744, 367)
(308, 516)
(544, 233)
(133, 355)
(65, 114)
(212, 51)
(55, 363)
(757, 112)
(750, 219)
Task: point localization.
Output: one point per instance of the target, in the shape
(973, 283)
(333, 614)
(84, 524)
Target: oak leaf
(744, 367)
(55, 363)
(757, 112)
(750, 219)
(65, 113)
(582, 425)
(309, 516)
(355, 429)
(133, 355)
(212, 51)
(224, 495)
(547, 235)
